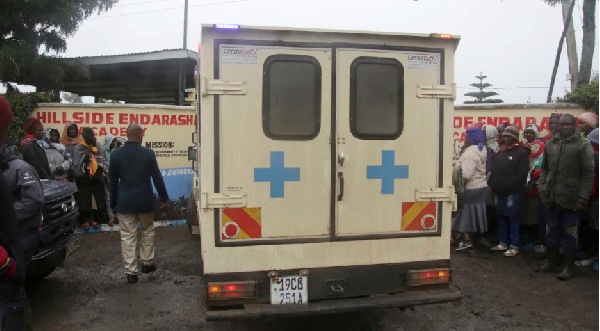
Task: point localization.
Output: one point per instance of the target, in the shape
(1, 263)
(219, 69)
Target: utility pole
(558, 51)
(182, 69)
(185, 25)
(571, 46)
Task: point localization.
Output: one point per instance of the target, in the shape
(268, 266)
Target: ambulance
(324, 176)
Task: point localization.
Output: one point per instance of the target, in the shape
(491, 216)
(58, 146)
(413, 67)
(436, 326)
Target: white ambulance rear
(325, 170)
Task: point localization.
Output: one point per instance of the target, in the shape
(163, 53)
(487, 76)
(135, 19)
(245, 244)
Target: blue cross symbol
(277, 175)
(387, 171)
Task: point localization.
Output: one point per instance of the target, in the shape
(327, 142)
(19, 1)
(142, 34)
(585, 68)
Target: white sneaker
(500, 248)
(464, 245)
(512, 251)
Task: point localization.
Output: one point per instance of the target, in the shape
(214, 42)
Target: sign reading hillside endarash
(167, 131)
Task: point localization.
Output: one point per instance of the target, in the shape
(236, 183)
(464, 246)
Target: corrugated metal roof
(141, 53)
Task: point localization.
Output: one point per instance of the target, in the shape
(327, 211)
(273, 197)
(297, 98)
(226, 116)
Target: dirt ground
(90, 293)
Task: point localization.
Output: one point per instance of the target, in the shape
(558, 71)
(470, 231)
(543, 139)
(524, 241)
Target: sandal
(501, 247)
(95, 225)
(86, 226)
(512, 251)
(111, 222)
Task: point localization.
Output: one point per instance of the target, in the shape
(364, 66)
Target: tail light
(441, 35)
(230, 290)
(428, 277)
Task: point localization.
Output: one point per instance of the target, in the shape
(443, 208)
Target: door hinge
(217, 86)
(437, 91)
(223, 200)
(435, 194)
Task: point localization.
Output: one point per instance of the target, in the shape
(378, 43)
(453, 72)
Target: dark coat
(9, 234)
(509, 171)
(567, 171)
(35, 155)
(26, 188)
(130, 171)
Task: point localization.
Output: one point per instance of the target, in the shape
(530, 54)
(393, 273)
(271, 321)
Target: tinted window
(291, 97)
(376, 98)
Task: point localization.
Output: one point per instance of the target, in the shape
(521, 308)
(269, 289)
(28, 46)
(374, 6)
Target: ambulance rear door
(274, 143)
(389, 142)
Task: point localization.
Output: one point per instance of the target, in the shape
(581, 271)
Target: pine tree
(482, 96)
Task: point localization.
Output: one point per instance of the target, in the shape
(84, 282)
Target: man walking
(565, 184)
(130, 170)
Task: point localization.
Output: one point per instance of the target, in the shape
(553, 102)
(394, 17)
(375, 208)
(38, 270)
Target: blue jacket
(130, 170)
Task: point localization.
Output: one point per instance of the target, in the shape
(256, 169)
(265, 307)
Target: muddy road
(90, 293)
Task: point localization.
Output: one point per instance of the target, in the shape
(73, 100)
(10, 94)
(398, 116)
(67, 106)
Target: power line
(139, 3)
(166, 9)
(508, 88)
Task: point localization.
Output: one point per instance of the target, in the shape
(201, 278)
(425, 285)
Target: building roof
(142, 78)
(280, 28)
(515, 105)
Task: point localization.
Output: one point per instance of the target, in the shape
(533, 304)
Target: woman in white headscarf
(491, 137)
(59, 158)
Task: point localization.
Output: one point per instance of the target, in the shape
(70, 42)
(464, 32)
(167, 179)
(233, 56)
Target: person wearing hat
(587, 122)
(15, 311)
(529, 217)
(89, 169)
(565, 185)
(472, 218)
(507, 180)
(594, 213)
(33, 153)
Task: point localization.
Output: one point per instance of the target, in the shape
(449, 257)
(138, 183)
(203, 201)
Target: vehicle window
(376, 98)
(291, 97)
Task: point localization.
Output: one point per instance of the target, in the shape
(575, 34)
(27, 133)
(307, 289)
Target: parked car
(58, 238)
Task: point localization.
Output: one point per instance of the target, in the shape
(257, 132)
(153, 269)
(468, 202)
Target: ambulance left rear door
(274, 143)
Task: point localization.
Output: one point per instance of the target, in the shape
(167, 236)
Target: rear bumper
(401, 300)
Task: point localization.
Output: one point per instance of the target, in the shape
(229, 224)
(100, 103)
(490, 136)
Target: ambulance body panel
(326, 162)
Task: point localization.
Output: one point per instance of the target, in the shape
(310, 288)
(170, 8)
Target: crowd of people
(76, 157)
(528, 192)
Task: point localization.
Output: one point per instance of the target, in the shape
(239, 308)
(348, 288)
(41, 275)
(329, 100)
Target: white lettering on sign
(239, 55)
(427, 62)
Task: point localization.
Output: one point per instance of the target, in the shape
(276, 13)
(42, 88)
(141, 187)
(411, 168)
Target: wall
(516, 114)
(167, 130)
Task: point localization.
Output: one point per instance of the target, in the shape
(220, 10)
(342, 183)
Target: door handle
(341, 177)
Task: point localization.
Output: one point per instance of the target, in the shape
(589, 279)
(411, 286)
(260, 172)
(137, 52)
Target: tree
(585, 96)
(588, 42)
(588, 39)
(32, 31)
(71, 97)
(22, 105)
(482, 96)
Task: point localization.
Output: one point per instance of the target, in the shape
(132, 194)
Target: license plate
(73, 244)
(289, 290)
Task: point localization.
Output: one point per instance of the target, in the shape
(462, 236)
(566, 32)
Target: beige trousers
(128, 226)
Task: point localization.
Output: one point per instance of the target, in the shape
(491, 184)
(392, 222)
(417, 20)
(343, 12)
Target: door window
(291, 97)
(376, 98)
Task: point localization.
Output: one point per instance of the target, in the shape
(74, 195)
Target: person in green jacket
(566, 181)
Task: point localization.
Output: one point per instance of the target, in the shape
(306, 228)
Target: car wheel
(191, 212)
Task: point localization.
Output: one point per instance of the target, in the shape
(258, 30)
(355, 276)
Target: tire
(191, 212)
(40, 274)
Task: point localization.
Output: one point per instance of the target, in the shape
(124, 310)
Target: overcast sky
(513, 42)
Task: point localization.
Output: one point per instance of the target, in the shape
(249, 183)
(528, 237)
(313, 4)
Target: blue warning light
(227, 26)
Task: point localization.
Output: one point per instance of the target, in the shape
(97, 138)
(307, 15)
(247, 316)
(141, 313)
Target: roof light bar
(227, 26)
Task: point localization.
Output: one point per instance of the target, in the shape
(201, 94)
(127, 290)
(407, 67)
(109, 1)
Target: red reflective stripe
(245, 221)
